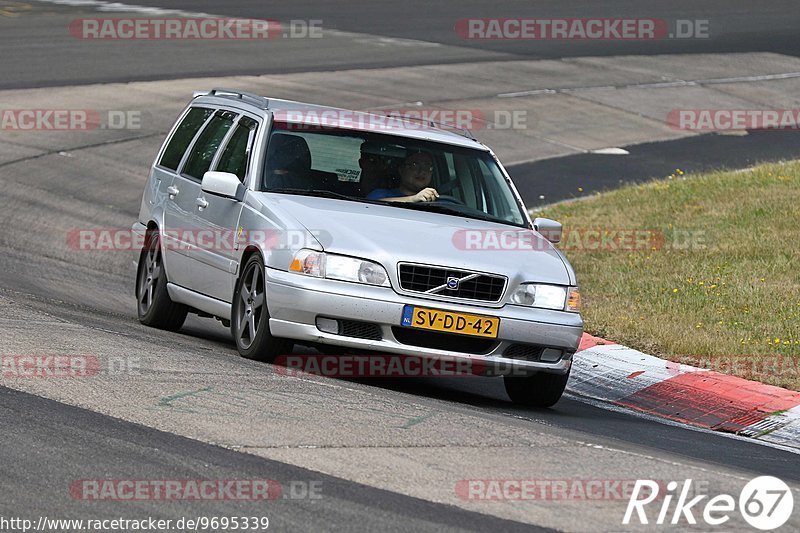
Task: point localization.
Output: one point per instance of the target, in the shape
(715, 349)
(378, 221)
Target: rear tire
(537, 390)
(250, 316)
(153, 304)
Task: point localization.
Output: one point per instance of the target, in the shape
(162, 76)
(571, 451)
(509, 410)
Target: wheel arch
(247, 253)
(153, 226)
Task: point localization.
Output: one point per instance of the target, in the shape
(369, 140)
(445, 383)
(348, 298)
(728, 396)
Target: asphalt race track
(388, 455)
(57, 59)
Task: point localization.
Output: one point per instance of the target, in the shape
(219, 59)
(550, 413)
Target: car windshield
(370, 167)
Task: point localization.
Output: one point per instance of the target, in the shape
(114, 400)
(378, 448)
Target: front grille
(433, 280)
(443, 341)
(527, 352)
(360, 330)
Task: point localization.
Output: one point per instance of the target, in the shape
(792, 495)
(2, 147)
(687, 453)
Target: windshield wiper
(439, 208)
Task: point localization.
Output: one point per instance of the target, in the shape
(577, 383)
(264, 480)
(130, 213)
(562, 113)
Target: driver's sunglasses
(418, 165)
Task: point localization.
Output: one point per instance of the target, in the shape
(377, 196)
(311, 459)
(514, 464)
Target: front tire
(153, 304)
(537, 390)
(250, 316)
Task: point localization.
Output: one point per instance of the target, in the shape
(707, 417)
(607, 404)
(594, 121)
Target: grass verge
(700, 269)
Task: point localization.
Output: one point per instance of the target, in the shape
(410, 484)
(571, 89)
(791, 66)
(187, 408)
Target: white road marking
(533, 92)
(750, 79)
(381, 41)
(655, 85)
(610, 151)
(118, 7)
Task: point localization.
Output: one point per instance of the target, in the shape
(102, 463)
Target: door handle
(172, 191)
(201, 203)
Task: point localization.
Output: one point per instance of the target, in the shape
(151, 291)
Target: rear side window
(236, 154)
(192, 122)
(202, 153)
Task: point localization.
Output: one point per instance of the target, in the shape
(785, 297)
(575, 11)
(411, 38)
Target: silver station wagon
(353, 232)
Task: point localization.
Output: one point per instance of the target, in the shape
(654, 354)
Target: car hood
(390, 235)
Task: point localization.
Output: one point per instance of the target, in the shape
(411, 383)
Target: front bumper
(295, 302)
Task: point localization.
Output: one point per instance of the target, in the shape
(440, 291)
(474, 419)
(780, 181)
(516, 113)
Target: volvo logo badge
(452, 283)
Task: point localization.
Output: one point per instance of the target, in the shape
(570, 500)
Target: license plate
(461, 323)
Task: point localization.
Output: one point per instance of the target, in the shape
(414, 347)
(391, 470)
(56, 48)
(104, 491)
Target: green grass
(721, 291)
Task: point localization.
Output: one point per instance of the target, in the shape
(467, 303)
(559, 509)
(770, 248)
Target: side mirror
(223, 184)
(550, 229)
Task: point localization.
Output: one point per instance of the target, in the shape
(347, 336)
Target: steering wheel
(449, 199)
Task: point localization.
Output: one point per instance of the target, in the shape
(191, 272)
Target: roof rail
(258, 101)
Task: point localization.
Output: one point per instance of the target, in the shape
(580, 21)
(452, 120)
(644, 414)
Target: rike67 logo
(765, 503)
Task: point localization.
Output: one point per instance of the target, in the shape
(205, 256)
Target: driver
(415, 172)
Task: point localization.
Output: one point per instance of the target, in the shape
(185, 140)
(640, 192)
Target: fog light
(551, 355)
(328, 325)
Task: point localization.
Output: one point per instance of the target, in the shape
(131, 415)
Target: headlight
(547, 296)
(339, 267)
(357, 270)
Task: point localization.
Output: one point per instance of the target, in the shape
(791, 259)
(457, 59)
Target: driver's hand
(428, 194)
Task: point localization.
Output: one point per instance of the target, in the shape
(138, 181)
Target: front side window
(366, 166)
(183, 135)
(207, 144)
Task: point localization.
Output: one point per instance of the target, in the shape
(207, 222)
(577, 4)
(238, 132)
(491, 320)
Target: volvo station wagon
(294, 223)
